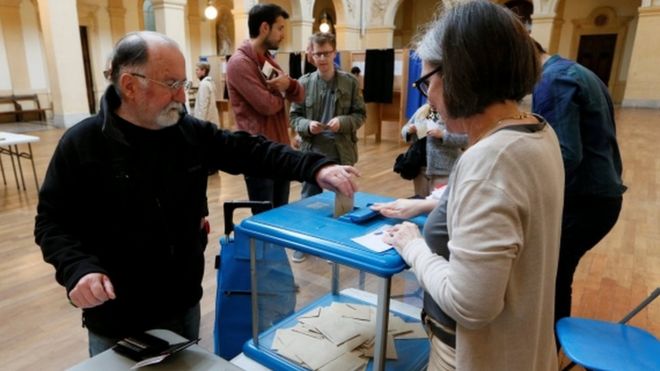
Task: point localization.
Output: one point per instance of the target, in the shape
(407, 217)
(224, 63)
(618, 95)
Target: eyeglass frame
(173, 86)
(325, 54)
(422, 83)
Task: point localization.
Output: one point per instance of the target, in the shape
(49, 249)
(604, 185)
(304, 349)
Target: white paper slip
(374, 240)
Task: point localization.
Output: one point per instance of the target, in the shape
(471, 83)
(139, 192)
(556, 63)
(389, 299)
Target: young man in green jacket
(332, 112)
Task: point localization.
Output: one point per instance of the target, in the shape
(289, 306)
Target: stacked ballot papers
(340, 337)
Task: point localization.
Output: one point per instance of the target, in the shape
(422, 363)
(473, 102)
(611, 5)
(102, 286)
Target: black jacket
(128, 202)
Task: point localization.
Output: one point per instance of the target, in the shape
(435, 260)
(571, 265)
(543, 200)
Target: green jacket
(349, 107)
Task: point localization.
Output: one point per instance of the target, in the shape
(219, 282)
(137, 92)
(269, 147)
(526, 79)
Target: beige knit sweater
(504, 219)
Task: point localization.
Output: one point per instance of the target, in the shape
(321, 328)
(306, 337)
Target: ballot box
(348, 292)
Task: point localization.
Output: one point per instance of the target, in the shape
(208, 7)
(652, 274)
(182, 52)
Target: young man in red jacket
(258, 99)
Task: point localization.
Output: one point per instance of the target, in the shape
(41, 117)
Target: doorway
(596, 52)
(89, 82)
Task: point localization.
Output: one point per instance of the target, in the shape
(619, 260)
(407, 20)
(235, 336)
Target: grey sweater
(442, 153)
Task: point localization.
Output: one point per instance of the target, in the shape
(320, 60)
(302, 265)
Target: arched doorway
(410, 16)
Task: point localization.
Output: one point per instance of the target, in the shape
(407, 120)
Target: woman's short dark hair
(486, 54)
(261, 13)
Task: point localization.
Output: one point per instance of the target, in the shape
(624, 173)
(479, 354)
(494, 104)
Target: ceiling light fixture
(325, 24)
(211, 12)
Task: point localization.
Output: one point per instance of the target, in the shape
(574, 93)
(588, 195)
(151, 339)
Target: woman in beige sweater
(495, 284)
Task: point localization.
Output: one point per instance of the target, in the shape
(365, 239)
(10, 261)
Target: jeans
(186, 326)
(586, 220)
(262, 189)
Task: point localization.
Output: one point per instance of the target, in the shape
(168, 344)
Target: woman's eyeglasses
(422, 84)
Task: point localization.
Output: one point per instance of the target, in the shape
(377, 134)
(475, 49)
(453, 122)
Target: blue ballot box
(308, 226)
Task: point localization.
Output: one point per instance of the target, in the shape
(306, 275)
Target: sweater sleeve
(56, 229)
(470, 287)
(242, 153)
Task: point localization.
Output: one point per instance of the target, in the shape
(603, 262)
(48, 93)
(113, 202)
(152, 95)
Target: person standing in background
(333, 111)
(205, 107)
(442, 148)
(258, 100)
(578, 106)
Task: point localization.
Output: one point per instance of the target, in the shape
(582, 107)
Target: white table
(193, 358)
(9, 146)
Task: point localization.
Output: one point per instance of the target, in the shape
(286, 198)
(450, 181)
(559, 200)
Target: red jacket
(258, 109)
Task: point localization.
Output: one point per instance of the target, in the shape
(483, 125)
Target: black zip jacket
(128, 202)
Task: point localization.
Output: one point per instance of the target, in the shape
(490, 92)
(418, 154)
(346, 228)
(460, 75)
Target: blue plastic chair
(607, 346)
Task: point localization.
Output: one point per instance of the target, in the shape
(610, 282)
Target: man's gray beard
(170, 115)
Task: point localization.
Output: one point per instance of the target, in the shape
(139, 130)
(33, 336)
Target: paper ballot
(343, 204)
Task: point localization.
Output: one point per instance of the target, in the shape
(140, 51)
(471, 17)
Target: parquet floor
(41, 331)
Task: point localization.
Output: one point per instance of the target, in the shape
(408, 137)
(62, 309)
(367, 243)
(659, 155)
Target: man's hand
(338, 178)
(92, 290)
(316, 127)
(334, 125)
(280, 82)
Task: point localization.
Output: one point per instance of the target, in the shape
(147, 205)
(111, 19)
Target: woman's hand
(401, 235)
(404, 208)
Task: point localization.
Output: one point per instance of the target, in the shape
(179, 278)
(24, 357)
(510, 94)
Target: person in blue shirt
(578, 106)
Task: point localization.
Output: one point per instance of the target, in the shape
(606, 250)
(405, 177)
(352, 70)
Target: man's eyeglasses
(422, 84)
(172, 85)
(323, 54)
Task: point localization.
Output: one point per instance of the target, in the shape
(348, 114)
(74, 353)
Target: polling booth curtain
(308, 68)
(379, 76)
(414, 99)
(295, 67)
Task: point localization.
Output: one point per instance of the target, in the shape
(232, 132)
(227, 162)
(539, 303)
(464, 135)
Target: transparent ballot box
(347, 306)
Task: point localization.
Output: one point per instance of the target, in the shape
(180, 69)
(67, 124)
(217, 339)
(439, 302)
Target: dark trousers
(274, 190)
(586, 220)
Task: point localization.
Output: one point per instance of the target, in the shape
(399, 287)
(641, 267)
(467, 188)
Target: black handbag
(410, 163)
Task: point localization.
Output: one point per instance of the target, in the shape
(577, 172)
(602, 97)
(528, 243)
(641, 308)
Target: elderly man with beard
(121, 214)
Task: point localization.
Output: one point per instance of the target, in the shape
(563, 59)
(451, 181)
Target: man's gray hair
(132, 51)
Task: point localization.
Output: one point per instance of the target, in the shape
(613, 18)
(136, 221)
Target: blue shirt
(578, 106)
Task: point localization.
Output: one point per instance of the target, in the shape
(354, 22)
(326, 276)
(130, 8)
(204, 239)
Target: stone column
(348, 37)
(300, 33)
(241, 31)
(12, 31)
(379, 37)
(117, 25)
(59, 23)
(546, 29)
(171, 21)
(643, 73)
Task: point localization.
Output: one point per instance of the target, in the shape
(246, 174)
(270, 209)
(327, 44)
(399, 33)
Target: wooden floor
(40, 330)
